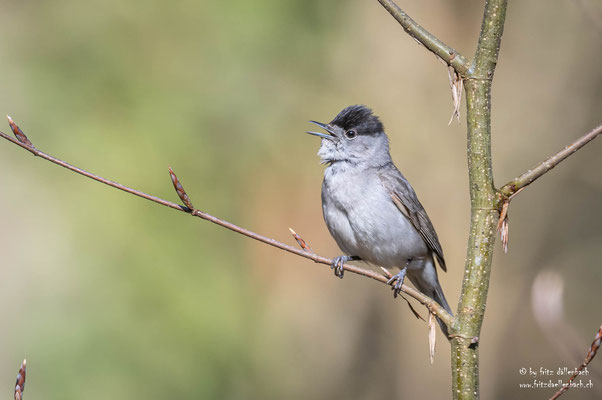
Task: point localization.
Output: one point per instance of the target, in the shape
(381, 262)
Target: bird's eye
(351, 134)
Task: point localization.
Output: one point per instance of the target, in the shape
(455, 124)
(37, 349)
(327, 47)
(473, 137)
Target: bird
(370, 208)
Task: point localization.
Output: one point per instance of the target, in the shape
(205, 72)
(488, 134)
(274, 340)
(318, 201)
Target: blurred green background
(108, 295)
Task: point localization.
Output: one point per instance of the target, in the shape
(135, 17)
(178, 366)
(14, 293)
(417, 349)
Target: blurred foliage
(109, 295)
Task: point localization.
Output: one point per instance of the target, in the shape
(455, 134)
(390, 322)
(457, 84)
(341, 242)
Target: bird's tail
(439, 297)
(427, 282)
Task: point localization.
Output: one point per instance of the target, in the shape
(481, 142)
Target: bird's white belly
(365, 222)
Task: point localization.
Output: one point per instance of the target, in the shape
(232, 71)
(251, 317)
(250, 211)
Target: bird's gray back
(406, 200)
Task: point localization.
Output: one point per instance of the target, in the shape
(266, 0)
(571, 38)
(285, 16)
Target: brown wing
(407, 202)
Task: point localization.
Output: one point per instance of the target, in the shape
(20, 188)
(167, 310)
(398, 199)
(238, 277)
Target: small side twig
(530, 176)
(180, 190)
(302, 243)
(18, 132)
(591, 353)
(431, 304)
(514, 187)
(20, 384)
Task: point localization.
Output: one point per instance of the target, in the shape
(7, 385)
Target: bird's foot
(398, 279)
(338, 262)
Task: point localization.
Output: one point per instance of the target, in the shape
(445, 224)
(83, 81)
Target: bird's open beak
(326, 128)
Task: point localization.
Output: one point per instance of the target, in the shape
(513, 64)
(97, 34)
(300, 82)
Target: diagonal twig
(530, 176)
(303, 244)
(427, 39)
(591, 353)
(431, 304)
(514, 187)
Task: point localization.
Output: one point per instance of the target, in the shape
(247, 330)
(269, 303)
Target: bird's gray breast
(363, 219)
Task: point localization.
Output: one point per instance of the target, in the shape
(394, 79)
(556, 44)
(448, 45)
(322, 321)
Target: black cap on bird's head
(355, 134)
(357, 119)
(360, 118)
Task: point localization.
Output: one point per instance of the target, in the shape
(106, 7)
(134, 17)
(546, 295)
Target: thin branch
(431, 304)
(431, 42)
(530, 176)
(591, 353)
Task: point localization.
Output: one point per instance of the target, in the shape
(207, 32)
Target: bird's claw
(398, 279)
(337, 265)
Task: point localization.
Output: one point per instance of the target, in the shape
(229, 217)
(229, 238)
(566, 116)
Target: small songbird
(371, 210)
